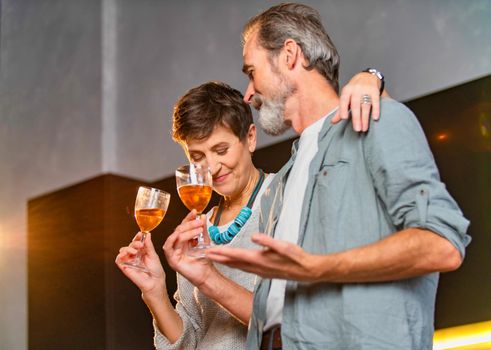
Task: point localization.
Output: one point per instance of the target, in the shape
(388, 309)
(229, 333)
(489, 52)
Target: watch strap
(379, 75)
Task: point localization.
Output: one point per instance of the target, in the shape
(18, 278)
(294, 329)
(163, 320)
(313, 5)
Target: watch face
(377, 73)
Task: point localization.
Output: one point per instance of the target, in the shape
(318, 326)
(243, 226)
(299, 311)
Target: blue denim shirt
(362, 188)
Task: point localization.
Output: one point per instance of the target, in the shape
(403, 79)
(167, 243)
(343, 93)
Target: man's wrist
(379, 75)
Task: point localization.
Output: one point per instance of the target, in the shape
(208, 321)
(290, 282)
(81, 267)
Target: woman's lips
(219, 179)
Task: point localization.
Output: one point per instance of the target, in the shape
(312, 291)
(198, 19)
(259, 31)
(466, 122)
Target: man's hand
(277, 259)
(351, 95)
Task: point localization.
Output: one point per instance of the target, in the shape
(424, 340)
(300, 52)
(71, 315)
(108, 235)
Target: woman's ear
(251, 138)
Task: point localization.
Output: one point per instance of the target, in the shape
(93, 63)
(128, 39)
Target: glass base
(136, 266)
(198, 251)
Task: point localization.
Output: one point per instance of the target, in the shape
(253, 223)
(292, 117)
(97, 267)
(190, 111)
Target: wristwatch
(379, 75)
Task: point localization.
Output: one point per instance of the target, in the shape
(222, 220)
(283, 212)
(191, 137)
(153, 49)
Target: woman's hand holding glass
(139, 261)
(150, 207)
(178, 244)
(151, 282)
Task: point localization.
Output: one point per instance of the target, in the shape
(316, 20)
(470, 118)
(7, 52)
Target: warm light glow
(1, 236)
(484, 124)
(476, 336)
(442, 137)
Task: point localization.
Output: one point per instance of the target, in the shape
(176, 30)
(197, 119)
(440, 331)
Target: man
(362, 224)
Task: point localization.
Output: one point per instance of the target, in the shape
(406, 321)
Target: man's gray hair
(302, 24)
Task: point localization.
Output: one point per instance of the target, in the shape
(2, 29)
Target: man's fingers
(336, 118)
(236, 254)
(269, 242)
(355, 113)
(376, 107)
(344, 103)
(365, 116)
(219, 258)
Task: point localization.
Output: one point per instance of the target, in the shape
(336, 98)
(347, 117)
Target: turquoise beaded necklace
(244, 215)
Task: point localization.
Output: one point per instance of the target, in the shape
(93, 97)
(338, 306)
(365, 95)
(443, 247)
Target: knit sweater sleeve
(189, 311)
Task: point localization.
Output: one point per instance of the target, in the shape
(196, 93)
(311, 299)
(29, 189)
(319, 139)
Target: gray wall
(50, 126)
(88, 86)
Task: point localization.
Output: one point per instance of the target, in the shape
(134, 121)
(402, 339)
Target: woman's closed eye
(196, 157)
(222, 151)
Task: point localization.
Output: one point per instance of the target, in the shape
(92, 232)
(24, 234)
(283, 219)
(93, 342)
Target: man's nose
(249, 92)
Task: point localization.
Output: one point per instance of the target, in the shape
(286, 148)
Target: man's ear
(252, 138)
(291, 52)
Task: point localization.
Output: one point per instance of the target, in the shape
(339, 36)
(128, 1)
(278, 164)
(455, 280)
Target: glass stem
(200, 238)
(138, 257)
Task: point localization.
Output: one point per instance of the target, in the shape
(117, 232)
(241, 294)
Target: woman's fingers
(128, 250)
(191, 216)
(149, 247)
(186, 231)
(138, 237)
(125, 254)
(136, 244)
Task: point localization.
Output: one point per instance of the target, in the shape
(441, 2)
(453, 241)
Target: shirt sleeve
(190, 314)
(406, 177)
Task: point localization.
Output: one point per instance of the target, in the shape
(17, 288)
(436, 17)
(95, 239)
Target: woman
(215, 126)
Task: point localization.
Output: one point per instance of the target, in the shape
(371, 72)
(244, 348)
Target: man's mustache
(257, 101)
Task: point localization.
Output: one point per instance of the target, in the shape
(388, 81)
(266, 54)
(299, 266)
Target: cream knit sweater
(207, 326)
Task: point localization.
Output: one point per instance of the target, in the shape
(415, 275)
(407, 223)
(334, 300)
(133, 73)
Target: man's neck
(313, 100)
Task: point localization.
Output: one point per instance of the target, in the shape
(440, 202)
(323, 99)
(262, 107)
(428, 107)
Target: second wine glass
(150, 207)
(194, 185)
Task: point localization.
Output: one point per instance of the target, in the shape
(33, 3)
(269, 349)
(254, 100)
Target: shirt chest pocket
(330, 192)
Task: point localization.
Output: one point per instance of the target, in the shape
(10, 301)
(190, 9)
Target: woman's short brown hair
(201, 109)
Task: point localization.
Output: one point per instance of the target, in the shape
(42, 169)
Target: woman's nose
(214, 166)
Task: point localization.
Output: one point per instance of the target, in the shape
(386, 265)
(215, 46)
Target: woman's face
(228, 158)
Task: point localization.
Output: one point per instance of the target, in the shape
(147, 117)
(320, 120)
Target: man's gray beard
(271, 115)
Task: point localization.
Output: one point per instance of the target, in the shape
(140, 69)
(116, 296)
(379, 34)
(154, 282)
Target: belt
(272, 339)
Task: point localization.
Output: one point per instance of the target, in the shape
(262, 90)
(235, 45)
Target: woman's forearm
(234, 298)
(166, 318)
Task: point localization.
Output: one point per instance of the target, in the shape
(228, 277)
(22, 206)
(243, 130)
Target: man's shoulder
(394, 116)
(392, 108)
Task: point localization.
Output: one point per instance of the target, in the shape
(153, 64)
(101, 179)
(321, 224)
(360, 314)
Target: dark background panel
(77, 297)
(457, 124)
(65, 281)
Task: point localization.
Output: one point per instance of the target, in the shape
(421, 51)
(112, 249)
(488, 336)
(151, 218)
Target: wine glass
(150, 208)
(194, 185)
